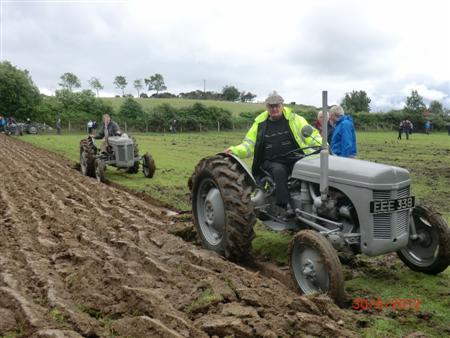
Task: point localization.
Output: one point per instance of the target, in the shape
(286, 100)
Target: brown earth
(81, 258)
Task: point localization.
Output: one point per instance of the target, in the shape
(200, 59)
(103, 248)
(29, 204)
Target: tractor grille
(125, 153)
(390, 225)
(121, 153)
(130, 152)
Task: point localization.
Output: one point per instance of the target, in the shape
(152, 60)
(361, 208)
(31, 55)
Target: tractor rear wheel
(222, 208)
(430, 252)
(315, 266)
(100, 170)
(87, 157)
(148, 165)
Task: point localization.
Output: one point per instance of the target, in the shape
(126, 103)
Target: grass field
(425, 156)
(234, 107)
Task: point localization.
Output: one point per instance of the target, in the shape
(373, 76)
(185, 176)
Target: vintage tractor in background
(340, 204)
(120, 152)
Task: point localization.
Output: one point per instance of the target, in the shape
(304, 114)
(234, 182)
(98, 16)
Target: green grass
(427, 157)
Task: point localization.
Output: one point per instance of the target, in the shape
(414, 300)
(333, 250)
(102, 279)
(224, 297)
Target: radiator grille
(402, 222)
(403, 192)
(390, 225)
(121, 153)
(130, 152)
(382, 226)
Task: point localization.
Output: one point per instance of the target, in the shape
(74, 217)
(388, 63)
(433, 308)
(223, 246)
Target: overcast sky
(297, 47)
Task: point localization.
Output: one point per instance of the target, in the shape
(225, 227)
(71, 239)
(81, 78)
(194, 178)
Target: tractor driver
(274, 133)
(109, 128)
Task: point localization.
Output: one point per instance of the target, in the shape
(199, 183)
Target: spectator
(407, 128)
(400, 129)
(2, 124)
(89, 127)
(94, 126)
(318, 125)
(58, 126)
(427, 126)
(343, 141)
(448, 128)
(173, 127)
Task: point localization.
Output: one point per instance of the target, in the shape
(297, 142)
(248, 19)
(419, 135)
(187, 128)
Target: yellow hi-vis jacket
(252, 143)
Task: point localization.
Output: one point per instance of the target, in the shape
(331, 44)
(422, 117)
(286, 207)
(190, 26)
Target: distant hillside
(234, 107)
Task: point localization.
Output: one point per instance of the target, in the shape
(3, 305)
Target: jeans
(280, 173)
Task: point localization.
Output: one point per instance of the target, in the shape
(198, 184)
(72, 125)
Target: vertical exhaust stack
(324, 153)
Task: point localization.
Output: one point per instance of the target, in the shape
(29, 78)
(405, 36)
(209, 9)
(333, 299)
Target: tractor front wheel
(430, 251)
(315, 266)
(148, 165)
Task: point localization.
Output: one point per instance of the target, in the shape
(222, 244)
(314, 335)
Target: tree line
(156, 83)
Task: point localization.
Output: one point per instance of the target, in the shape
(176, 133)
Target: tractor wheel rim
(210, 212)
(310, 272)
(98, 173)
(425, 249)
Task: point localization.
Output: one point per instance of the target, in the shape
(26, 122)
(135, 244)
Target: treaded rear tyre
(221, 206)
(315, 266)
(87, 157)
(430, 254)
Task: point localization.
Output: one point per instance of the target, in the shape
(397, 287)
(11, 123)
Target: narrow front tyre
(315, 266)
(429, 252)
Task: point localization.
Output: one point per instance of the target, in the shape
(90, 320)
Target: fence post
(200, 127)
(126, 128)
(70, 127)
(218, 126)
(146, 127)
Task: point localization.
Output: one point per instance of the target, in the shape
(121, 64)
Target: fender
(243, 166)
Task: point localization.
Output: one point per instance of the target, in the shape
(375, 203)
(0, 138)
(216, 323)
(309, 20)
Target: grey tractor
(341, 204)
(120, 152)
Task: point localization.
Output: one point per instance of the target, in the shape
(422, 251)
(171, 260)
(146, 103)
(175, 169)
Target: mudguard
(243, 166)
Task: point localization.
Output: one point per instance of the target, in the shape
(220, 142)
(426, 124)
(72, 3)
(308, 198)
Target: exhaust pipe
(324, 153)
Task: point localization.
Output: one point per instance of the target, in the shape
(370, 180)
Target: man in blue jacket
(343, 141)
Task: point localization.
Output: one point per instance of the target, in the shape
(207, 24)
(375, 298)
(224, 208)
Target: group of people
(8, 124)
(91, 126)
(276, 133)
(406, 127)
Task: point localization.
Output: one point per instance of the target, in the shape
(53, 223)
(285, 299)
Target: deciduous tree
(95, 84)
(19, 96)
(69, 81)
(356, 101)
(156, 82)
(121, 83)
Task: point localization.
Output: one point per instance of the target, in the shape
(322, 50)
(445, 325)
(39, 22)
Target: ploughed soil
(81, 258)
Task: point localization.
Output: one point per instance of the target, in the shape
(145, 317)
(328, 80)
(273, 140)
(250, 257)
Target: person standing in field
(400, 129)
(318, 125)
(343, 141)
(58, 126)
(427, 126)
(407, 128)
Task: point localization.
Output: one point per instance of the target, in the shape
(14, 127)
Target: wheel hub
(211, 212)
(309, 271)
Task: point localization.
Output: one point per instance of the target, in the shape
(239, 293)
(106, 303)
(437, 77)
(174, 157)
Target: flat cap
(274, 98)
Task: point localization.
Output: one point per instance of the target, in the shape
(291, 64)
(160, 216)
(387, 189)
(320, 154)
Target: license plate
(385, 206)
